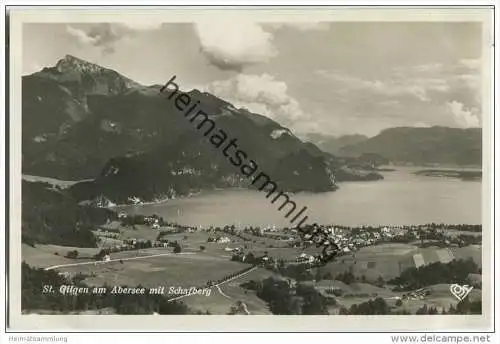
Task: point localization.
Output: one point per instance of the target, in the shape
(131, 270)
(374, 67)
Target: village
(237, 240)
(371, 261)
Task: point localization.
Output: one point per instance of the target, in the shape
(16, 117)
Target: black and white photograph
(253, 162)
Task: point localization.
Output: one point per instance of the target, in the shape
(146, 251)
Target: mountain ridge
(80, 119)
(423, 145)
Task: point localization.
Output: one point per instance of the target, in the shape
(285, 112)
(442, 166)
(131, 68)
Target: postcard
(307, 168)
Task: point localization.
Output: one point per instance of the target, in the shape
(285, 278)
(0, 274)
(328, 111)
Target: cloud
(80, 35)
(432, 82)
(262, 94)
(464, 117)
(474, 64)
(394, 86)
(230, 44)
(144, 23)
(106, 35)
(430, 67)
(233, 45)
(103, 35)
(447, 94)
(301, 26)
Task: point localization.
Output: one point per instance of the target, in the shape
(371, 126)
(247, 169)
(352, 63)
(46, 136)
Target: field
(55, 182)
(228, 294)
(185, 269)
(472, 251)
(156, 267)
(440, 298)
(389, 260)
(47, 255)
(372, 261)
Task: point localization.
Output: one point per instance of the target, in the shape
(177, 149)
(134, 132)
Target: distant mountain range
(333, 144)
(422, 146)
(403, 145)
(83, 121)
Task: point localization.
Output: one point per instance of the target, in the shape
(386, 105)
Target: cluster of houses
(132, 244)
(219, 239)
(185, 171)
(272, 231)
(418, 294)
(103, 202)
(350, 239)
(134, 200)
(153, 221)
(305, 258)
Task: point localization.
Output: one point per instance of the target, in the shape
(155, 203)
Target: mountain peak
(70, 57)
(97, 79)
(73, 63)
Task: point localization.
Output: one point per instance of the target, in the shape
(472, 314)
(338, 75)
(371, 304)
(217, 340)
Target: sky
(333, 78)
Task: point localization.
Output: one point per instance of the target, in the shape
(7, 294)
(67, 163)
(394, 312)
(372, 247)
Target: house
(305, 258)
(134, 200)
(223, 240)
(122, 215)
(155, 226)
(103, 202)
(106, 258)
(131, 241)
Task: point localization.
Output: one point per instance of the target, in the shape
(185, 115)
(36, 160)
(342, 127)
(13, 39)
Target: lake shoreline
(457, 174)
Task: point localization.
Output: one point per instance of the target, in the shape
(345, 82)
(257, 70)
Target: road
(114, 260)
(158, 255)
(222, 293)
(243, 304)
(217, 285)
(245, 308)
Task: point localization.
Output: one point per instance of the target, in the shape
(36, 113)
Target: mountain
(421, 146)
(57, 110)
(333, 144)
(83, 121)
(52, 216)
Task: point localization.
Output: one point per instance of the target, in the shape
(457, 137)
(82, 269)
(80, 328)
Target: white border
(255, 323)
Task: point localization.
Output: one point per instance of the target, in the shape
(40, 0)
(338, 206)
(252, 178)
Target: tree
(177, 248)
(250, 258)
(202, 248)
(72, 254)
(328, 275)
(371, 307)
(33, 281)
(399, 303)
(423, 310)
(101, 254)
(347, 277)
(380, 282)
(313, 301)
(343, 311)
(456, 271)
(277, 294)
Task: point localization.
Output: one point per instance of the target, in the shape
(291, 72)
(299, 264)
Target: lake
(401, 198)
